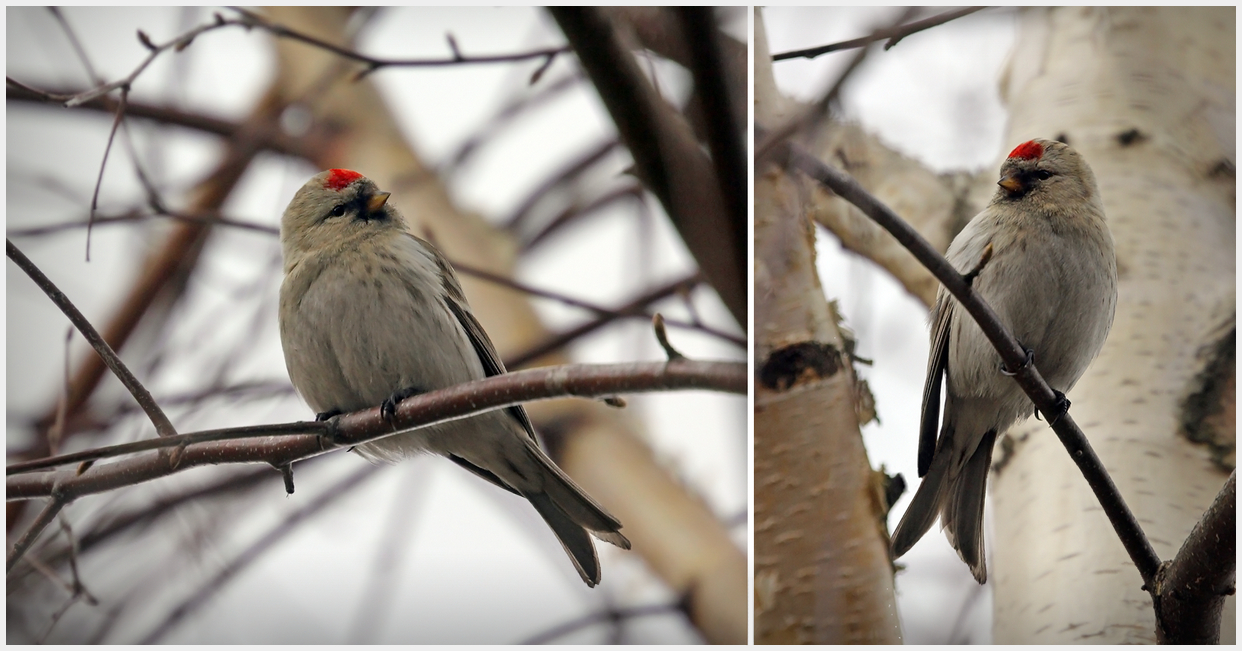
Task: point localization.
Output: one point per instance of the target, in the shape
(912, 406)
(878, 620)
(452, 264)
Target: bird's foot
(1030, 357)
(388, 408)
(1063, 405)
(325, 415)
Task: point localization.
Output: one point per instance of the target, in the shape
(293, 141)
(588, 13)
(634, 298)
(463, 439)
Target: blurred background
(932, 98)
(512, 167)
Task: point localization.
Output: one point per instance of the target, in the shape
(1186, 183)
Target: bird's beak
(377, 201)
(1011, 183)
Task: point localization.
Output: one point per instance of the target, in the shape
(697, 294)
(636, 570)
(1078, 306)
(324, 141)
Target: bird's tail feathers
(923, 509)
(572, 536)
(962, 512)
(574, 503)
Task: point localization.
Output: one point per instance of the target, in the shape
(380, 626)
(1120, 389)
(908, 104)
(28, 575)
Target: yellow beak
(1011, 183)
(377, 201)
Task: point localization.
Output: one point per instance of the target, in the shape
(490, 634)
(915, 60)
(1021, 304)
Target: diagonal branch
(162, 425)
(893, 34)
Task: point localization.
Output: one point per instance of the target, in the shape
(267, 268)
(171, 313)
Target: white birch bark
(1147, 96)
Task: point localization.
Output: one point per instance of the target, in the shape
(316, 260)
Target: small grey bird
(370, 315)
(1052, 280)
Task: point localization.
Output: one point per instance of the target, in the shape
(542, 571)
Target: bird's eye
(1042, 175)
(338, 211)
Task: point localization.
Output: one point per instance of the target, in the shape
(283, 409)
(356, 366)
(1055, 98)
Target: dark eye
(338, 211)
(1042, 175)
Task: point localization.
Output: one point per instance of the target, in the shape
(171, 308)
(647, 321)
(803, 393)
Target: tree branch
(1191, 589)
(893, 34)
(163, 426)
(281, 445)
(666, 154)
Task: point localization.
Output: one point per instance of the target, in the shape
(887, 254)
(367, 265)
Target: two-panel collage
(620, 325)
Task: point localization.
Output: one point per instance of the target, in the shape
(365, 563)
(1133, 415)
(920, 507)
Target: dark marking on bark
(1130, 136)
(1207, 412)
(803, 361)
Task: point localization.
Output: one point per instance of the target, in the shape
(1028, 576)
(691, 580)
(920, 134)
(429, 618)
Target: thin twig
(636, 306)
(45, 517)
(103, 164)
(372, 64)
(272, 139)
(894, 35)
(573, 170)
(576, 212)
(162, 425)
(597, 309)
(1011, 353)
(135, 216)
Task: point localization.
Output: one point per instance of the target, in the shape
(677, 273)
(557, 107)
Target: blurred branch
(612, 615)
(570, 171)
(724, 127)
(243, 560)
(576, 212)
(666, 154)
(634, 307)
(893, 34)
(281, 444)
(272, 139)
(134, 216)
(45, 517)
(162, 425)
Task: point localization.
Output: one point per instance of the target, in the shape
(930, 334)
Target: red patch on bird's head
(1029, 150)
(338, 179)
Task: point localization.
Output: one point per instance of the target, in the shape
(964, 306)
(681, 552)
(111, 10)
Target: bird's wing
(483, 347)
(937, 365)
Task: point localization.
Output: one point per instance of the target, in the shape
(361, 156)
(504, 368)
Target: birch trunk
(822, 573)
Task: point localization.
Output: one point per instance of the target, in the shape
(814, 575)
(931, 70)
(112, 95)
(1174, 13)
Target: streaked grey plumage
(1052, 280)
(369, 312)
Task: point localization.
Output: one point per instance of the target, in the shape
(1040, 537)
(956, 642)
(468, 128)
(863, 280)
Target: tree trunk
(822, 573)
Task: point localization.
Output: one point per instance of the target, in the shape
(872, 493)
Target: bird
(1041, 255)
(371, 314)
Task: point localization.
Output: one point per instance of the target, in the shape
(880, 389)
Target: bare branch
(279, 445)
(893, 34)
(163, 426)
(45, 517)
(251, 19)
(1191, 589)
